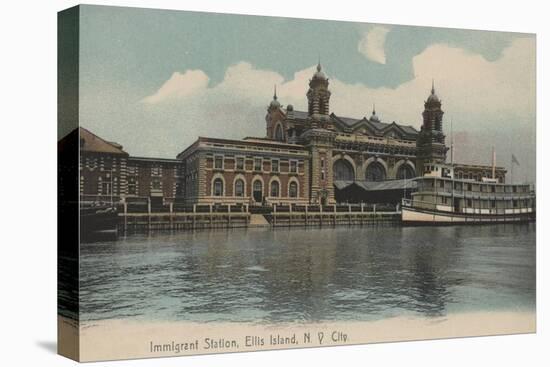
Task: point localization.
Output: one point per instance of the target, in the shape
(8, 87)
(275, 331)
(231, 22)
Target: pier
(144, 217)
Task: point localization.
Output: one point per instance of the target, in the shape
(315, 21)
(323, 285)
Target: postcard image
(233, 183)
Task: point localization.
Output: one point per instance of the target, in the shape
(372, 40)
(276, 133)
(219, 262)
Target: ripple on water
(289, 275)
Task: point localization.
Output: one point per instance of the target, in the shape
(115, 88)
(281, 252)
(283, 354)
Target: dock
(145, 218)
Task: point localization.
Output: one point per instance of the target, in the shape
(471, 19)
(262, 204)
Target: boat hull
(93, 220)
(410, 215)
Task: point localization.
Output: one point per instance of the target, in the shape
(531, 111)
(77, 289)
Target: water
(287, 275)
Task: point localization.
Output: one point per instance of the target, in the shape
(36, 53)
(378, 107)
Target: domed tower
(430, 144)
(275, 124)
(274, 105)
(318, 95)
(374, 117)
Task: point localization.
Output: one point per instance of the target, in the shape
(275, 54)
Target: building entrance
(257, 189)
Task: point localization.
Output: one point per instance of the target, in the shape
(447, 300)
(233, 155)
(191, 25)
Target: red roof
(90, 142)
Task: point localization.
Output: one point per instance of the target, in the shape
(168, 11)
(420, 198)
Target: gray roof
(342, 184)
(350, 122)
(302, 115)
(376, 124)
(379, 185)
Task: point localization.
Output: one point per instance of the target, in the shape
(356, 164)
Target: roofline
(267, 142)
(184, 152)
(369, 123)
(112, 143)
(166, 160)
(466, 165)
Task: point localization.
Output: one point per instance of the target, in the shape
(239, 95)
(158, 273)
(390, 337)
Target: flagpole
(512, 173)
(493, 163)
(452, 170)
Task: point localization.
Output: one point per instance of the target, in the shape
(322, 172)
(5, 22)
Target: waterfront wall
(243, 216)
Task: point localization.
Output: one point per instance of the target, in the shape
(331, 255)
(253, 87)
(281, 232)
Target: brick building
(308, 156)
(245, 171)
(109, 174)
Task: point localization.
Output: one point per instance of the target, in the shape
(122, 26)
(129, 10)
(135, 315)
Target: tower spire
(318, 95)
(433, 87)
(319, 64)
(274, 103)
(374, 109)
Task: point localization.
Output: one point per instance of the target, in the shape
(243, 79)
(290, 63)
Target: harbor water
(309, 274)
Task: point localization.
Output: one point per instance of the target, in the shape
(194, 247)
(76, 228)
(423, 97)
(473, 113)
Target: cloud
(492, 102)
(372, 44)
(180, 85)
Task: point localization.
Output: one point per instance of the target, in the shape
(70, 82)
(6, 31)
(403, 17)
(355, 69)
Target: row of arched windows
(257, 187)
(343, 171)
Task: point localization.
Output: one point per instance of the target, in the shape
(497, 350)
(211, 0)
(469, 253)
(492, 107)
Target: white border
(29, 150)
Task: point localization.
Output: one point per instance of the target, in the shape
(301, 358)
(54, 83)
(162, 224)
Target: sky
(155, 80)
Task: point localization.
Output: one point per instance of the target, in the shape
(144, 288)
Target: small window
(132, 186)
(106, 188)
(156, 183)
(469, 203)
(274, 165)
(257, 164)
(493, 188)
(240, 163)
(493, 204)
(293, 166)
(218, 162)
(322, 162)
(441, 184)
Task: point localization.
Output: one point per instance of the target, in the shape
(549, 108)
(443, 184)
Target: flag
(515, 160)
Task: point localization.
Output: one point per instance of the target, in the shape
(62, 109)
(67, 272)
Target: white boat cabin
(438, 190)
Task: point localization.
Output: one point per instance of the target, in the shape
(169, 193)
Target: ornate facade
(306, 157)
(342, 148)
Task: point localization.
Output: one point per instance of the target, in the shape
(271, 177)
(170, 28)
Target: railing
(475, 208)
(335, 208)
(147, 207)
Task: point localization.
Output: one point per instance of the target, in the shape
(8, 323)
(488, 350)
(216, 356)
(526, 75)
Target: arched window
(293, 189)
(218, 187)
(239, 188)
(405, 171)
(279, 133)
(258, 185)
(275, 189)
(375, 172)
(343, 171)
(257, 188)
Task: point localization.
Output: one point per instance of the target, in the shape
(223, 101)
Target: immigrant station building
(305, 157)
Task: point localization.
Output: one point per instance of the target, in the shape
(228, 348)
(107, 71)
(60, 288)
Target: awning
(378, 185)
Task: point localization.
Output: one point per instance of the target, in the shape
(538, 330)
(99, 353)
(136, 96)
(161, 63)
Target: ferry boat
(442, 199)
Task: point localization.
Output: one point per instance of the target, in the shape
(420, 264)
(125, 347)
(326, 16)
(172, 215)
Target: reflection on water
(342, 273)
